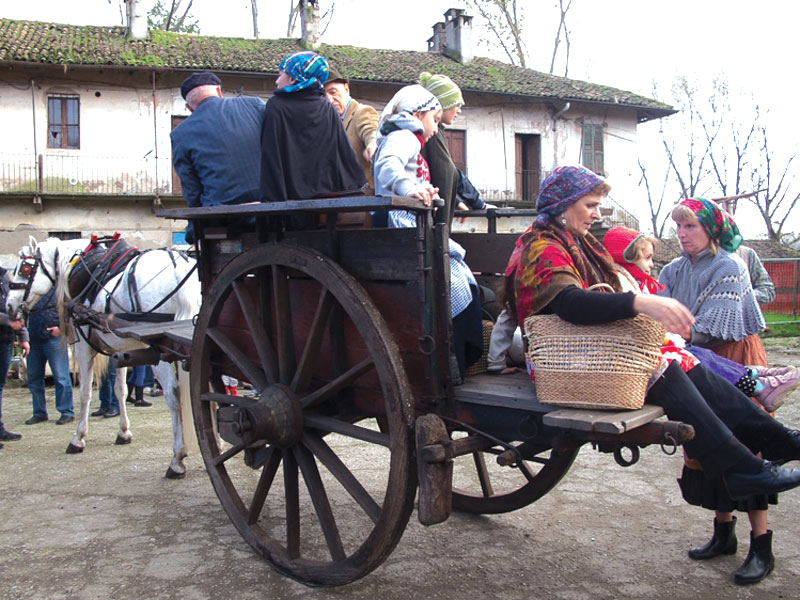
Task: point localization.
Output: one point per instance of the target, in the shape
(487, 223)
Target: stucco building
(87, 112)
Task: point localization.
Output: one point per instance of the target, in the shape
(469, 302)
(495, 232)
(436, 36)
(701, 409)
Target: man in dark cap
(216, 151)
(360, 121)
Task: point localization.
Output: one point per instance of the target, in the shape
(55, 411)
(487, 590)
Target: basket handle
(601, 286)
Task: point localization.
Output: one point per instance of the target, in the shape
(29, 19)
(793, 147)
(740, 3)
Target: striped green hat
(441, 86)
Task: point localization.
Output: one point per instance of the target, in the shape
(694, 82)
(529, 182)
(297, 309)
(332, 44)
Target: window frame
(593, 152)
(63, 124)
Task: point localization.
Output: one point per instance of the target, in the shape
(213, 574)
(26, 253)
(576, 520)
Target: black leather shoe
(64, 419)
(771, 479)
(7, 436)
(99, 412)
(35, 419)
(111, 413)
(784, 450)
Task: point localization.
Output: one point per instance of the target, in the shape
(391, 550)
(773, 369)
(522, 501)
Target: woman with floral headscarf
(560, 260)
(711, 280)
(714, 283)
(304, 149)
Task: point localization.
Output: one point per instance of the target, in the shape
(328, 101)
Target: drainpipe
(37, 198)
(156, 198)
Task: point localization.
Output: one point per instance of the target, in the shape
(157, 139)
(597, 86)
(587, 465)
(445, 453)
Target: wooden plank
(508, 391)
(487, 252)
(320, 205)
(602, 421)
(179, 331)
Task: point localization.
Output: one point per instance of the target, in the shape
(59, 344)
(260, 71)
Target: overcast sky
(627, 44)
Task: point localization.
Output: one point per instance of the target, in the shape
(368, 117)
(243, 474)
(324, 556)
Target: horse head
(37, 271)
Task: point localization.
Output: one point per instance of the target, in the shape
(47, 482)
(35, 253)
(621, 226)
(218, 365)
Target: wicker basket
(593, 366)
(481, 364)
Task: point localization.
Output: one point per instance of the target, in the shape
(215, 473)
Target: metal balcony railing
(79, 174)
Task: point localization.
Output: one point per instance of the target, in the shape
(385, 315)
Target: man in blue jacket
(48, 345)
(216, 151)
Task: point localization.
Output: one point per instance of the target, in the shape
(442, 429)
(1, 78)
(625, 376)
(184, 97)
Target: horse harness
(102, 260)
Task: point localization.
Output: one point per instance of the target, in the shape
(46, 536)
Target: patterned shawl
(552, 259)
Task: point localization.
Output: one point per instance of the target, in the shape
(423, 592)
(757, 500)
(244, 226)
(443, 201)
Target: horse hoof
(73, 449)
(173, 474)
(121, 441)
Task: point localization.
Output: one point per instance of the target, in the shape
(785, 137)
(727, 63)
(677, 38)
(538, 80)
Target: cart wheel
(301, 465)
(481, 486)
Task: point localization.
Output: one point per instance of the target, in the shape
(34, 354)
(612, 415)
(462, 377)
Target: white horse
(148, 283)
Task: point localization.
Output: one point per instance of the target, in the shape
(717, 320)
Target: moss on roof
(51, 43)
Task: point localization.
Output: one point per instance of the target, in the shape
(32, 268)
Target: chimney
(137, 19)
(453, 38)
(309, 24)
(437, 42)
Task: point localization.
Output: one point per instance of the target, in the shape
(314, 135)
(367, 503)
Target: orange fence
(785, 274)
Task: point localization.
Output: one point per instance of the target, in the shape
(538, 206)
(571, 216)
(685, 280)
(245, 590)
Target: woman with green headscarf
(714, 283)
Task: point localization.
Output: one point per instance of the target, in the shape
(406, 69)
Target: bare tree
(295, 6)
(504, 22)
(171, 18)
(254, 8)
(658, 218)
(713, 149)
(562, 28)
(775, 178)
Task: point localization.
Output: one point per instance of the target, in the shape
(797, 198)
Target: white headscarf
(400, 110)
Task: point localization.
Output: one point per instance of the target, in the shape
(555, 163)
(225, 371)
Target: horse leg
(169, 383)
(124, 435)
(85, 358)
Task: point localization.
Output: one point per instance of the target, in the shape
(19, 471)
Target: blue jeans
(136, 376)
(108, 399)
(5, 362)
(54, 352)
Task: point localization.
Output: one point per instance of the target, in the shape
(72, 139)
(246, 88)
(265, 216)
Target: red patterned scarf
(553, 259)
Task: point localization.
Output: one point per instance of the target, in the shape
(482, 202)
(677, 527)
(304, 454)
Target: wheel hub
(275, 415)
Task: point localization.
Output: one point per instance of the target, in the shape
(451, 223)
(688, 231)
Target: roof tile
(52, 43)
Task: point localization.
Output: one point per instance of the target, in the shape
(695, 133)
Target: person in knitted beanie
(444, 173)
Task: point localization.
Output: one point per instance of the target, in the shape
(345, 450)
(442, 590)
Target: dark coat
(444, 174)
(304, 149)
(7, 334)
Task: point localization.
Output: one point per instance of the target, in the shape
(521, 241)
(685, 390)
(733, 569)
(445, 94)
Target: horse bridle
(27, 269)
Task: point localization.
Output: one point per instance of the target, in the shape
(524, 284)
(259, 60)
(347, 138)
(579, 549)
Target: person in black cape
(305, 153)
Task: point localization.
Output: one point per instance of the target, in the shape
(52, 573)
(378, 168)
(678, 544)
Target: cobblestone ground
(106, 524)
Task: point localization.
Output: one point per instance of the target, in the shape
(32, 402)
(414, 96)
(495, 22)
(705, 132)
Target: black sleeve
(584, 307)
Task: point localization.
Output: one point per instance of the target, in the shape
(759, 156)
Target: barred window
(63, 121)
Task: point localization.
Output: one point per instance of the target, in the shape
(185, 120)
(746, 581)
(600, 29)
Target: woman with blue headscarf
(304, 149)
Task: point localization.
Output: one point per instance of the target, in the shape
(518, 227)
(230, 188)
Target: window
(457, 144)
(63, 121)
(64, 235)
(527, 149)
(592, 148)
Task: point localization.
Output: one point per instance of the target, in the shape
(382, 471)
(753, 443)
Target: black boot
(130, 399)
(722, 542)
(140, 401)
(759, 562)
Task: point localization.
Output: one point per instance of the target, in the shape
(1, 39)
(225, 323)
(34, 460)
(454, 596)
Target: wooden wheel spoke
(526, 471)
(322, 505)
(332, 425)
(292, 494)
(266, 353)
(228, 454)
(283, 324)
(264, 485)
(339, 470)
(333, 387)
(253, 373)
(313, 343)
(483, 474)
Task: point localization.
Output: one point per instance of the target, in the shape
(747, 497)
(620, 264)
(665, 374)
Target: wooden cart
(340, 337)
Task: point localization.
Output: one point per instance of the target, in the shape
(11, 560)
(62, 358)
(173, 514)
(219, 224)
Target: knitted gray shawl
(718, 292)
